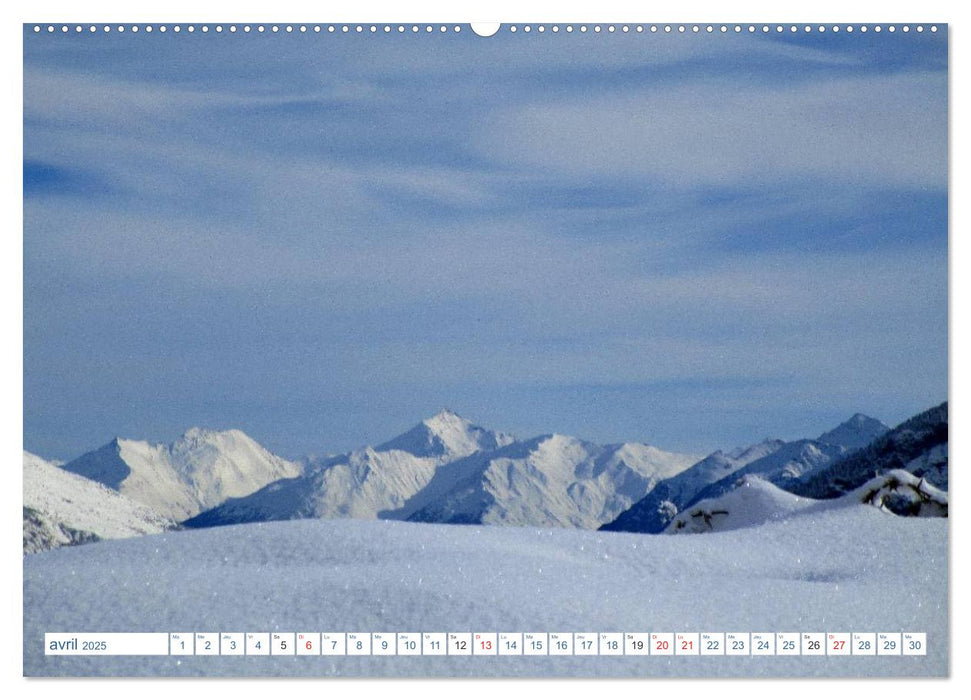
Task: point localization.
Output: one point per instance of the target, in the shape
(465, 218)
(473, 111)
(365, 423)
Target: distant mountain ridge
(784, 467)
(552, 480)
(447, 469)
(196, 472)
(918, 445)
(778, 462)
(362, 483)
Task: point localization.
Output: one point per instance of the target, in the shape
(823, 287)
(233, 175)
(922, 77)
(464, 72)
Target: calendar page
(450, 350)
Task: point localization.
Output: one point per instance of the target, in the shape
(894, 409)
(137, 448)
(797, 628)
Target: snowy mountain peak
(919, 445)
(859, 431)
(197, 434)
(61, 508)
(551, 480)
(199, 470)
(446, 434)
(447, 422)
(446, 414)
(559, 440)
(197, 437)
(365, 483)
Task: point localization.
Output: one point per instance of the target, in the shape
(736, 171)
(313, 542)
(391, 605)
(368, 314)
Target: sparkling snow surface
(845, 569)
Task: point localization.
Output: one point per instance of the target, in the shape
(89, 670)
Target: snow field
(843, 569)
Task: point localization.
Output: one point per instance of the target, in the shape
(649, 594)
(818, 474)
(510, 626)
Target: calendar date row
(487, 644)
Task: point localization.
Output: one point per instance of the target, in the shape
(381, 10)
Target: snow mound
(901, 493)
(755, 501)
(61, 508)
(654, 512)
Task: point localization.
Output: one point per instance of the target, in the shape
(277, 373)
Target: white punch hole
(485, 28)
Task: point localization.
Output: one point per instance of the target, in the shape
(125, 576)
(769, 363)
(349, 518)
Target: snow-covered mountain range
(780, 463)
(784, 467)
(918, 445)
(363, 483)
(553, 480)
(196, 472)
(61, 508)
(448, 470)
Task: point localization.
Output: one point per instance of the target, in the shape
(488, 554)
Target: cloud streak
(871, 132)
(336, 241)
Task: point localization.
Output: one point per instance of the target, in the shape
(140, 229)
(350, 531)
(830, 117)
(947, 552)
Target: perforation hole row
(455, 29)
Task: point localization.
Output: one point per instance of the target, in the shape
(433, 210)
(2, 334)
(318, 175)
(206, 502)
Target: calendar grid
(486, 644)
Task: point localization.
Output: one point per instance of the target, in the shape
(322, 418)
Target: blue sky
(689, 240)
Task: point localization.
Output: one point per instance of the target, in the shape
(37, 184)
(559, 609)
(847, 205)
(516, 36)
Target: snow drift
(755, 501)
(854, 569)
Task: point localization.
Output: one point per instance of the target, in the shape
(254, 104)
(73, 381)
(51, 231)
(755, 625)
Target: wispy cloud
(869, 132)
(730, 222)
